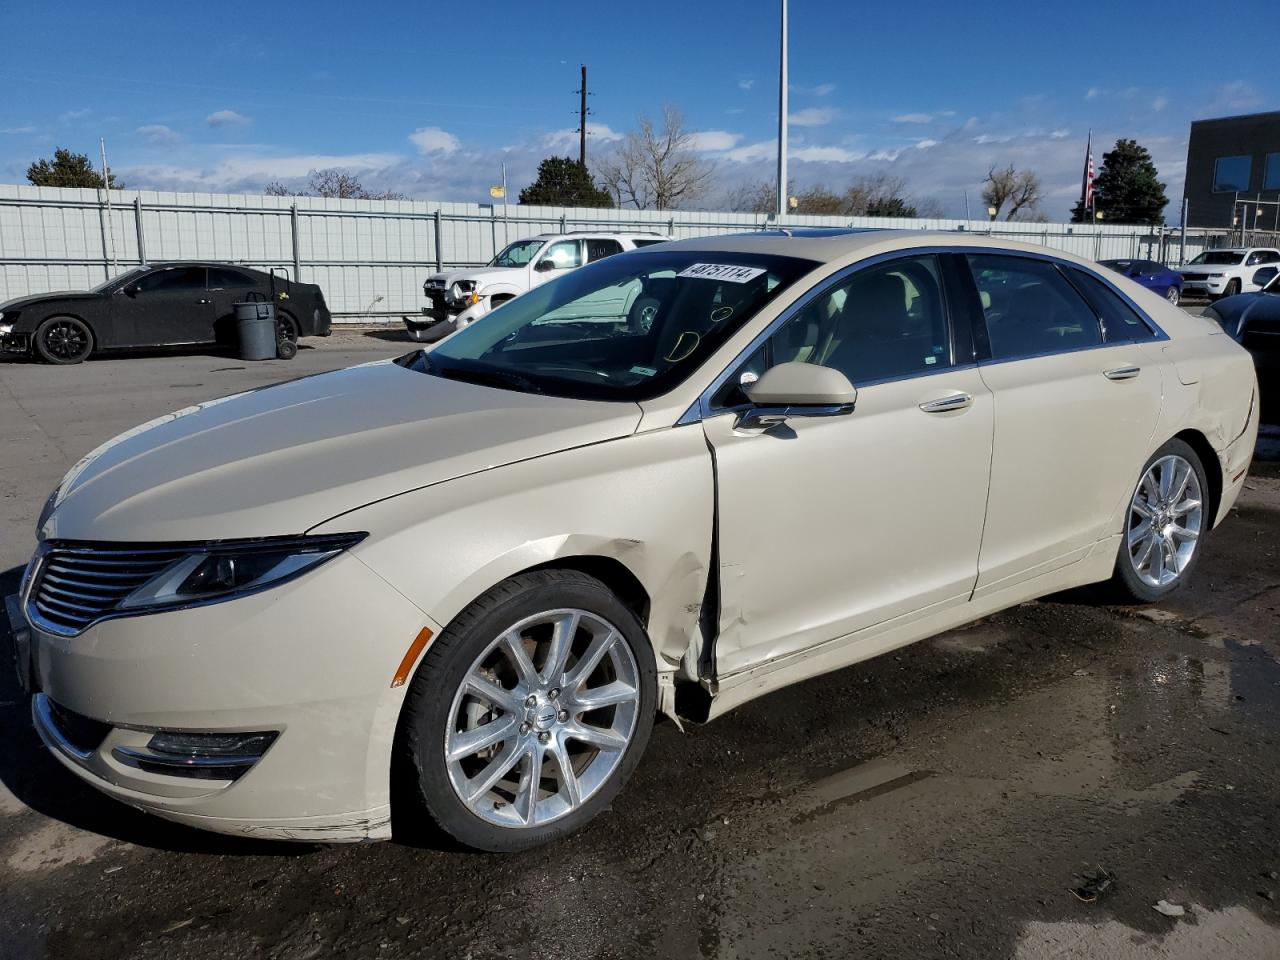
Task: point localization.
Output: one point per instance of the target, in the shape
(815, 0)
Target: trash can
(256, 327)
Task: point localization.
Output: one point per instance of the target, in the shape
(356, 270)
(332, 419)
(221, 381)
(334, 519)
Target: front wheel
(1167, 519)
(529, 711)
(63, 340)
(1233, 287)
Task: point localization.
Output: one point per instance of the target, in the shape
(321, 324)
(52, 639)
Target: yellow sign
(497, 192)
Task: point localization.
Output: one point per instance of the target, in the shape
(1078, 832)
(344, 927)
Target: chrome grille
(78, 585)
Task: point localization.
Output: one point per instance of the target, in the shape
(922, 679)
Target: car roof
(587, 234)
(166, 264)
(832, 245)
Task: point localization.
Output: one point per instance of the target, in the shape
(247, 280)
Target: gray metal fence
(371, 256)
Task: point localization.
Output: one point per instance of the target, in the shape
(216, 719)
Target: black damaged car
(156, 305)
(1253, 319)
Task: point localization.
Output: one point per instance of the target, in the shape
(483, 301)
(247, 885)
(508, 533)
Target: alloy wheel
(542, 718)
(1166, 517)
(1172, 296)
(66, 339)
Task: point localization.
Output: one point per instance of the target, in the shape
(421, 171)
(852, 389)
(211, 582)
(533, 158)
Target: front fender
(646, 501)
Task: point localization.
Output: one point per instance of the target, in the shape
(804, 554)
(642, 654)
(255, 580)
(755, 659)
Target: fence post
(671, 226)
(562, 229)
(1097, 243)
(297, 255)
(137, 223)
(439, 235)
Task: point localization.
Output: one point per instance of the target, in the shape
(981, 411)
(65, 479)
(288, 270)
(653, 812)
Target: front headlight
(221, 571)
(5, 329)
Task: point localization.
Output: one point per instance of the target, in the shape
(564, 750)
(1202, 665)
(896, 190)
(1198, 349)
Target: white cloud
(237, 173)
(1234, 97)
(922, 117)
(746, 83)
(71, 115)
(751, 152)
(1093, 93)
(434, 140)
(17, 130)
(227, 118)
(708, 140)
(811, 117)
(159, 135)
(1060, 134)
(925, 144)
(1159, 103)
(568, 137)
(822, 89)
(817, 154)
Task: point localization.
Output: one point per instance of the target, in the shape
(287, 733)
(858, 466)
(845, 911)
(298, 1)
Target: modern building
(1234, 159)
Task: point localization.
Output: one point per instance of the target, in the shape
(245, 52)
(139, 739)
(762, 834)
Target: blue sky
(429, 97)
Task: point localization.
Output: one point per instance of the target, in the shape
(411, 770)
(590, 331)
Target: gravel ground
(940, 802)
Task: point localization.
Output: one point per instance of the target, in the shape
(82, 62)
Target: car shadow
(394, 334)
(42, 784)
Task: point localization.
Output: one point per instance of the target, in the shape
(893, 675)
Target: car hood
(481, 275)
(37, 298)
(1210, 268)
(282, 459)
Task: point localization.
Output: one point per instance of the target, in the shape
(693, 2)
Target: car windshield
(119, 280)
(630, 327)
(517, 254)
(1218, 258)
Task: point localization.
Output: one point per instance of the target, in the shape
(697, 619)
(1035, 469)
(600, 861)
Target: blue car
(1154, 276)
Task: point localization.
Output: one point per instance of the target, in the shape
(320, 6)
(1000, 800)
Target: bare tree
(334, 183)
(1020, 189)
(656, 168)
(760, 196)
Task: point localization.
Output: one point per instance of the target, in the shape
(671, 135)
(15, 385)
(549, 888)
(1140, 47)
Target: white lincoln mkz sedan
(466, 581)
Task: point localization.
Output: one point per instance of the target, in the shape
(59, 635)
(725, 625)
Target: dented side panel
(645, 501)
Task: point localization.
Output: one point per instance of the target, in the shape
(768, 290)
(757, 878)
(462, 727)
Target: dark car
(156, 305)
(1154, 276)
(1253, 319)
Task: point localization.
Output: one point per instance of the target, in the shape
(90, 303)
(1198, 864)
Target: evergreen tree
(68, 169)
(1127, 188)
(563, 182)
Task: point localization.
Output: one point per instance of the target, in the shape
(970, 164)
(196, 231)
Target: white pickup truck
(456, 298)
(1226, 272)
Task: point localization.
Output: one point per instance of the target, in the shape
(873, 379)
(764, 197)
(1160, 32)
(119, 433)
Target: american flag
(1086, 190)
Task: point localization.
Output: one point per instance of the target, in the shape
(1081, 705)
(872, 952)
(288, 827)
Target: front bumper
(15, 343)
(1203, 286)
(311, 661)
(429, 330)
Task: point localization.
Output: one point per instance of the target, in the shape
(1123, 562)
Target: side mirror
(797, 390)
(542, 266)
(132, 290)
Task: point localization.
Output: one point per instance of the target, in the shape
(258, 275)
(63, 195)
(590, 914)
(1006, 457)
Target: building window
(1271, 178)
(1230, 174)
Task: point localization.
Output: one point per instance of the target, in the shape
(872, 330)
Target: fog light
(211, 744)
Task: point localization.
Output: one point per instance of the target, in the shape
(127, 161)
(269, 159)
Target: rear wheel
(1172, 295)
(1167, 518)
(63, 340)
(286, 327)
(529, 712)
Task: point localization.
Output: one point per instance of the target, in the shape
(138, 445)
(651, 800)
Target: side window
(565, 254)
(881, 323)
(1255, 259)
(1120, 322)
(600, 247)
(227, 279)
(1030, 308)
(179, 278)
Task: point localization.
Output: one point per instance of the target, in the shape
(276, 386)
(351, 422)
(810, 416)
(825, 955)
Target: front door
(832, 525)
(170, 306)
(1077, 398)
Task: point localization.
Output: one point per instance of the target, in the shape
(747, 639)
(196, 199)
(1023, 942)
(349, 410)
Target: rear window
(1120, 322)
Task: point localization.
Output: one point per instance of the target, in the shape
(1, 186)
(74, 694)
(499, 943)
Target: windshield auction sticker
(721, 271)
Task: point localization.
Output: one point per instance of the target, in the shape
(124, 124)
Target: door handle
(1122, 373)
(957, 401)
(204, 301)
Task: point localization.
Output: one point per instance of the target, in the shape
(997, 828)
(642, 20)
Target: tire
(63, 340)
(286, 349)
(1233, 287)
(286, 327)
(1143, 575)
(544, 716)
(1173, 295)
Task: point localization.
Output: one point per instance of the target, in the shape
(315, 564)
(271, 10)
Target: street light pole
(782, 118)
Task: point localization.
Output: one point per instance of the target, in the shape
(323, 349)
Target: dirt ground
(941, 802)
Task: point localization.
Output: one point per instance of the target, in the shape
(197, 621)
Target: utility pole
(582, 118)
(782, 117)
(106, 192)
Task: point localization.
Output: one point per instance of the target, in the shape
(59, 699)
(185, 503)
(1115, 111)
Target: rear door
(169, 306)
(226, 287)
(1076, 404)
